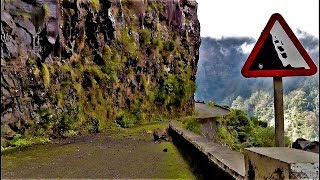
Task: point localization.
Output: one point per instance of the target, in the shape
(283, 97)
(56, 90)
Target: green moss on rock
(106, 70)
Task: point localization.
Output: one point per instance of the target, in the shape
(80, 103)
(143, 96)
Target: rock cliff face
(78, 66)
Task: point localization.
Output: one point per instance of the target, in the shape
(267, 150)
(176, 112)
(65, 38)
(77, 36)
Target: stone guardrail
(212, 160)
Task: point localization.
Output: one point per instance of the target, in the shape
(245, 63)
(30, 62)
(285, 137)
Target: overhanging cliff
(79, 66)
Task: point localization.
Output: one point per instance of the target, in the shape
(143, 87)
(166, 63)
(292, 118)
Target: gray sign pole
(278, 109)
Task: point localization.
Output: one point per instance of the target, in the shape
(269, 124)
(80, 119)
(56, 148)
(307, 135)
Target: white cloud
(246, 48)
(248, 17)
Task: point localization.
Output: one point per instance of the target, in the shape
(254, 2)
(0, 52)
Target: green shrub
(174, 90)
(236, 130)
(227, 136)
(79, 67)
(30, 61)
(78, 88)
(45, 75)
(237, 118)
(211, 103)
(23, 141)
(128, 43)
(169, 46)
(95, 4)
(114, 78)
(145, 35)
(43, 121)
(157, 43)
(36, 72)
(65, 68)
(96, 72)
(60, 99)
(18, 141)
(131, 73)
(144, 82)
(100, 97)
(258, 122)
(63, 123)
(66, 83)
(112, 63)
(265, 137)
(192, 125)
(106, 53)
(126, 119)
(94, 125)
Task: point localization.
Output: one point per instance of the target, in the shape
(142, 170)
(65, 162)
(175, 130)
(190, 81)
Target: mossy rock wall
(71, 67)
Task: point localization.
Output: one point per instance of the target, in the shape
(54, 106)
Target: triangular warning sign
(278, 53)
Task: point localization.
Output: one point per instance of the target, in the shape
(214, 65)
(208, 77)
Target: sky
(239, 18)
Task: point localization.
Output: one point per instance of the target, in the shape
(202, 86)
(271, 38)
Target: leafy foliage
(144, 82)
(157, 43)
(129, 44)
(300, 111)
(169, 46)
(145, 35)
(45, 75)
(173, 89)
(238, 131)
(95, 4)
(191, 124)
(227, 136)
(94, 125)
(17, 141)
(211, 103)
(126, 119)
(111, 75)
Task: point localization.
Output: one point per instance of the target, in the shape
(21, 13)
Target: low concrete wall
(280, 163)
(214, 161)
(210, 160)
(209, 127)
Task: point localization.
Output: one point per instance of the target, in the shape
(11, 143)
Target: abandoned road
(206, 111)
(134, 155)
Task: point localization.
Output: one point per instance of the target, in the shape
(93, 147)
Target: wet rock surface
(306, 145)
(76, 66)
(160, 135)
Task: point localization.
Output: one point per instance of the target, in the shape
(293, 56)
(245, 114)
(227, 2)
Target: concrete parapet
(213, 161)
(280, 163)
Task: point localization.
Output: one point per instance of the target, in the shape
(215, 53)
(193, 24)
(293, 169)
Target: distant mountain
(218, 76)
(219, 79)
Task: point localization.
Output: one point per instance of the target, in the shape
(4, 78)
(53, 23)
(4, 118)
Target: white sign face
(287, 51)
(278, 53)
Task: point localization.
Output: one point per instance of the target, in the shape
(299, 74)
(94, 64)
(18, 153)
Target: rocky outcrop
(306, 145)
(160, 134)
(72, 67)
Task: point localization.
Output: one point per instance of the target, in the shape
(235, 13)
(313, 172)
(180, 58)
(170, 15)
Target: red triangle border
(246, 72)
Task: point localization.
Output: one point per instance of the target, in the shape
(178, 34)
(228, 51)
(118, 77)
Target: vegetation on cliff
(110, 64)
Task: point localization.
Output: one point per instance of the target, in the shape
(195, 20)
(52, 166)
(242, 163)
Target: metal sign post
(278, 110)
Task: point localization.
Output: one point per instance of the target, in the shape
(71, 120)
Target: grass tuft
(45, 75)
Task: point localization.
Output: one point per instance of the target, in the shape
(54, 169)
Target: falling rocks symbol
(268, 58)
